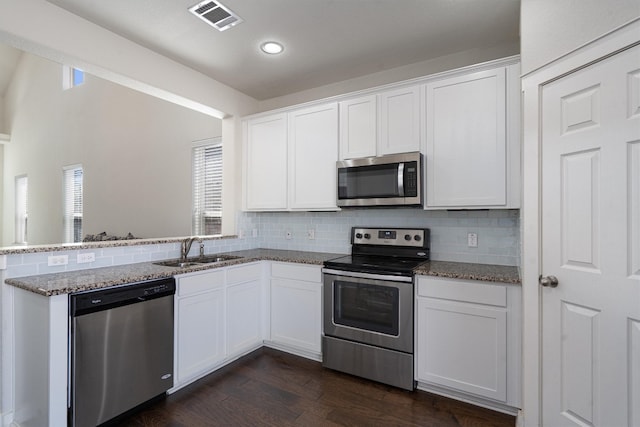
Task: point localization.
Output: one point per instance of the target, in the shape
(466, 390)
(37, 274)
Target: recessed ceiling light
(272, 48)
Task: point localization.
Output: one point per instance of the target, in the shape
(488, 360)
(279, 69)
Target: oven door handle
(368, 275)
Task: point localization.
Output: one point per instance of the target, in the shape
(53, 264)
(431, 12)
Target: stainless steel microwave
(391, 180)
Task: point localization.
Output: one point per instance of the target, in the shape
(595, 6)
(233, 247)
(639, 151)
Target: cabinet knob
(548, 281)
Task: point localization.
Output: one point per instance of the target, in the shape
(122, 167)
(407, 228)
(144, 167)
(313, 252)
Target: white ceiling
(325, 41)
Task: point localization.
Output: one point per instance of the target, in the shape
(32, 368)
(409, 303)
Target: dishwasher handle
(86, 302)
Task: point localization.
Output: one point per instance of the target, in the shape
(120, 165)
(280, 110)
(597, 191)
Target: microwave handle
(401, 179)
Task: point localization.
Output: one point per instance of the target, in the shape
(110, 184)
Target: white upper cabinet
(290, 160)
(313, 152)
(266, 163)
(399, 121)
(472, 150)
(358, 127)
(379, 124)
(465, 122)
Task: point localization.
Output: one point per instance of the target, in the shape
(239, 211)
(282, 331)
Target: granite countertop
(96, 278)
(463, 270)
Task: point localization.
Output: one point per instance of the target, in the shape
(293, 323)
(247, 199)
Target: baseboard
(463, 397)
(7, 420)
(307, 354)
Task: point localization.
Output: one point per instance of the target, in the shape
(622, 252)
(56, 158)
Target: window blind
(207, 188)
(72, 227)
(21, 208)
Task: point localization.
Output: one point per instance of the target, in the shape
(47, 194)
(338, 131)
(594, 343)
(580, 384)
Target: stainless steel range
(368, 305)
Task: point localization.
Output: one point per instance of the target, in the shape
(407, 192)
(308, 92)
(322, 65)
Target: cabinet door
(466, 140)
(200, 334)
(358, 127)
(266, 163)
(399, 121)
(313, 152)
(244, 316)
(296, 313)
(462, 346)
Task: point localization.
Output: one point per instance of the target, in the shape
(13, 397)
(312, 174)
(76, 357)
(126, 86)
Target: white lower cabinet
(468, 341)
(218, 317)
(244, 309)
(199, 324)
(296, 309)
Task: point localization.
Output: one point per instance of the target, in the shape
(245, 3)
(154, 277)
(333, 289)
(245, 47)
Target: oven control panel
(411, 237)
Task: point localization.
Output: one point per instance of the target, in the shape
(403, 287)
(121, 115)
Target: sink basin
(177, 263)
(207, 259)
(190, 262)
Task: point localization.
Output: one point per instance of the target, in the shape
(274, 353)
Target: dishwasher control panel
(115, 296)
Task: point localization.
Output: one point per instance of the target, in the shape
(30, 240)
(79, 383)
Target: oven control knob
(358, 235)
(417, 238)
(367, 235)
(407, 237)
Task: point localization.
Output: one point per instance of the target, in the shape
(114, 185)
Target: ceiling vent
(213, 13)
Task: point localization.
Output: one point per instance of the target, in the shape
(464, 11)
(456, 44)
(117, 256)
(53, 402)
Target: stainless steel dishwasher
(121, 346)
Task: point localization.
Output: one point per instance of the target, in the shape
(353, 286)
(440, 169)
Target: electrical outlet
(288, 235)
(311, 234)
(86, 257)
(57, 260)
(472, 240)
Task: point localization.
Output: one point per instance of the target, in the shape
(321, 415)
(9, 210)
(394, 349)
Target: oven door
(369, 308)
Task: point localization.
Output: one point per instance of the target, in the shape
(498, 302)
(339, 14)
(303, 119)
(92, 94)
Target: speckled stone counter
(463, 270)
(96, 278)
(82, 280)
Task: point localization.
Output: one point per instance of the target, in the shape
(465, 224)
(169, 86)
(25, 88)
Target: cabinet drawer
(244, 273)
(308, 273)
(463, 290)
(189, 285)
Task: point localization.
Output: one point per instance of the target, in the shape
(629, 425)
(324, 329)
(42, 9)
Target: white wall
(551, 28)
(424, 68)
(1, 188)
(3, 127)
(135, 150)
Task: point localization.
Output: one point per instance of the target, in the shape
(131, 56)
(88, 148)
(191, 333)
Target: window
(207, 187)
(21, 209)
(71, 77)
(72, 181)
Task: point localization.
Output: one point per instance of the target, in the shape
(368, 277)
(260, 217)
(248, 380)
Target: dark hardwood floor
(272, 388)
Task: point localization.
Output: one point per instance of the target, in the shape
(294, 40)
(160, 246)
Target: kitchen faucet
(185, 247)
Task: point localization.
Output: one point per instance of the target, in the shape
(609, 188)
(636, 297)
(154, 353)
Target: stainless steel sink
(207, 259)
(176, 263)
(190, 262)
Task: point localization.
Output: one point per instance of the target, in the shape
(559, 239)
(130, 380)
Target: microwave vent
(215, 14)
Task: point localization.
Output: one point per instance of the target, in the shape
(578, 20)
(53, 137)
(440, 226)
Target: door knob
(548, 281)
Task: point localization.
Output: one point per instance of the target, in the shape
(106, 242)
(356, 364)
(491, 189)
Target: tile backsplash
(498, 234)
(498, 231)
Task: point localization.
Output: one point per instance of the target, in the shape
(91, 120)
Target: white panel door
(313, 152)
(244, 317)
(591, 243)
(266, 163)
(399, 121)
(358, 127)
(466, 140)
(296, 313)
(200, 334)
(462, 346)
